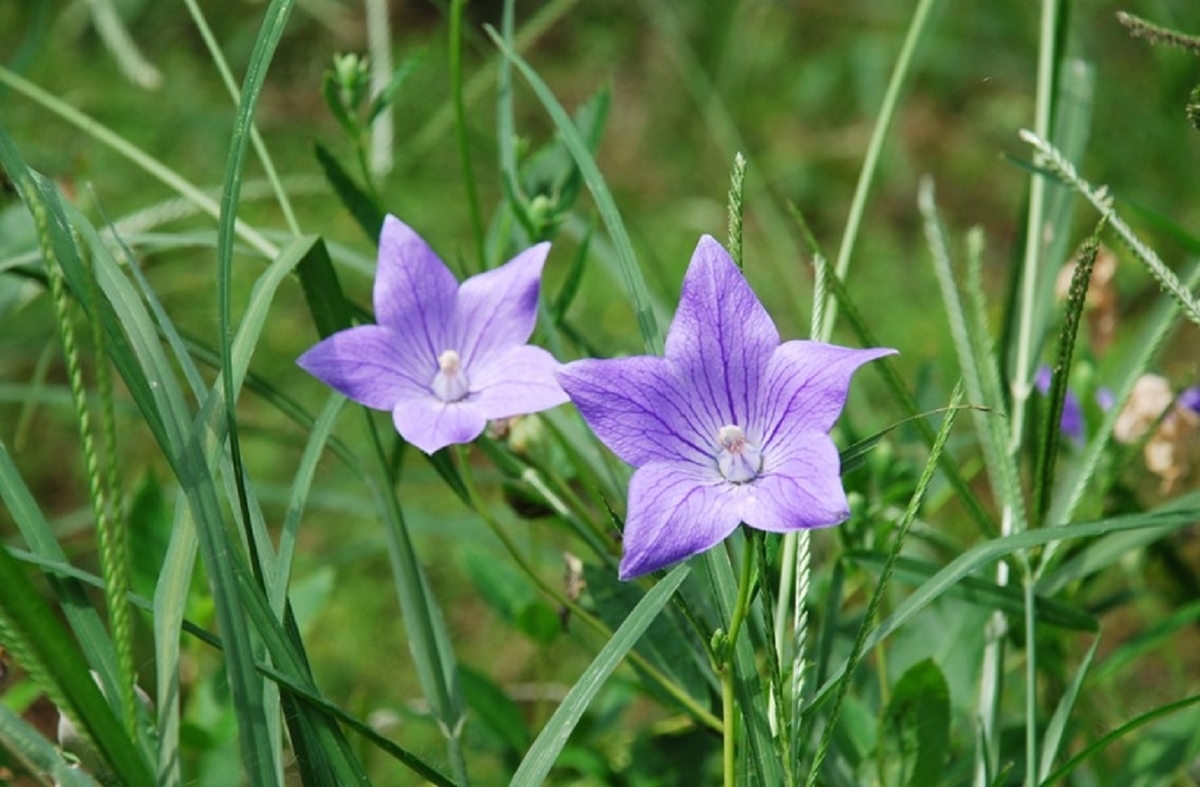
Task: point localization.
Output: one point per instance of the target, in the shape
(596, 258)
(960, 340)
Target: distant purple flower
(1072, 423)
(444, 358)
(1190, 398)
(730, 427)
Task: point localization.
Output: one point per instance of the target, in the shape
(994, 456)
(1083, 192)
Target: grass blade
(545, 750)
(861, 639)
(37, 754)
(1062, 714)
(51, 647)
(1102, 201)
(983, 555)
(1165, 710)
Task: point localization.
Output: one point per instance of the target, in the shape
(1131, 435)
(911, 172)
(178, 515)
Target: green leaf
(978, 365)
(365, 210)
(983, 593)
(666, 644)
(149, 533)
(550, 741)
(496, 711)
(1109, 738)
(1062, 714)
(921, 699)
(988, 552)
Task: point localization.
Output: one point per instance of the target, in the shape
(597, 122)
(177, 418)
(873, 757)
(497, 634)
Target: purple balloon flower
(730, 427)
(444, 358)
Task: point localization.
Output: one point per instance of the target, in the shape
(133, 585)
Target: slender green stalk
(1035, 235)
(483, 510)
(116, 561)
(737, 198)
(379, 51)
(110, 537)
(887, 113)
(460, 128)
(260, 149)
(728, 706)
(797, 560)
(1022, 385)
(1102, 201)
(1031, 727)
(433, 133)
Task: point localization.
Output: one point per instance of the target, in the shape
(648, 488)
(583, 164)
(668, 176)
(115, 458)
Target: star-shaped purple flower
(730, 427)
(444, 358)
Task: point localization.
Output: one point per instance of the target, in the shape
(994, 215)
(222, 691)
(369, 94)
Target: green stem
(735, 627)
(260, 149)
(460, 127)
(109, 537)
(1022, 383)
(887, 113)
(480, 507)
(116, 566)
(1022, 378)
(1031, 759)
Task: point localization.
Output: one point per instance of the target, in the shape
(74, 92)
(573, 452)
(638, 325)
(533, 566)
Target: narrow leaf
(545, 750)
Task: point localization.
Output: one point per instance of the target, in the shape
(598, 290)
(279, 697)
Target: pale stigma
(738, 460)
(450, 383)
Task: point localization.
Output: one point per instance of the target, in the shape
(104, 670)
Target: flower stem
(735, 626)
(887, 112)
(480, 507)
(460, 126)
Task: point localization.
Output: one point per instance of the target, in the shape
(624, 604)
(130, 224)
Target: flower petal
(498, 308)
(637, 408)
(721, 336)
(675, 511)
(800, 488)
(415, 293)
(518, 381)
(805, 389)
(369, 364)
(430, 424)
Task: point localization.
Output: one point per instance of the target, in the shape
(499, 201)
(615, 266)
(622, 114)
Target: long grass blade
(550, 741)
(1058, 722)
(987, 553)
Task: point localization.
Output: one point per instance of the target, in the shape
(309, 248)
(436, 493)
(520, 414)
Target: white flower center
(738, 460)
(450, 383)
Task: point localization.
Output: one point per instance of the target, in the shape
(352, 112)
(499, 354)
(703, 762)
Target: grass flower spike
(730, 427)
(444, 358)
